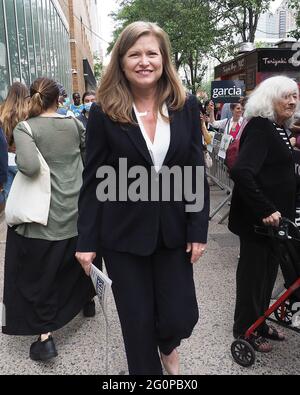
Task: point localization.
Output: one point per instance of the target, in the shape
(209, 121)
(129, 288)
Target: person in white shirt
(230, 126)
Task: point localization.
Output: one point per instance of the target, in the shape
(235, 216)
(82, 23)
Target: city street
(87, 346)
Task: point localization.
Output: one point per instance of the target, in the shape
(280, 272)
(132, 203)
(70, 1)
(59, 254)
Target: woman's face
(143, 63)
(286, 106)
(89, 99)
(237, 112)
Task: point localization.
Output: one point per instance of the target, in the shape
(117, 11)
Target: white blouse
(160, 146)
(226, 124)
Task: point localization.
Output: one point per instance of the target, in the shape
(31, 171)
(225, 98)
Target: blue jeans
(12, 171)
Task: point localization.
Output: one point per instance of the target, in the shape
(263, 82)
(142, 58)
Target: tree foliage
(240, 17)
(295, 5)
(198, 27)
(98, 68)
(188, 24)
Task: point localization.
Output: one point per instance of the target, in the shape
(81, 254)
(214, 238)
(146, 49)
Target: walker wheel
(243, 353)
(284, 314)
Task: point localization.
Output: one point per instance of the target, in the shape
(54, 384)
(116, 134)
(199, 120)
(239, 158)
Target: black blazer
(129, 226)
(264, 177)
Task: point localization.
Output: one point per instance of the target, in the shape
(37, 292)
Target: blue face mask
(87, 107)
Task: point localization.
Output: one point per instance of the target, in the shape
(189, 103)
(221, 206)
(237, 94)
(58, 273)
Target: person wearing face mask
(88, 99)
(63, 102)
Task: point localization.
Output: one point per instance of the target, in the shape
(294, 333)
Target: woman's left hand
(197, 250)
(293, 141)
(273, 219)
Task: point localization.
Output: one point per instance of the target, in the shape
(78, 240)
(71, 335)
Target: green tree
(295, 5)
(197, 28)
(98, 68)
(189, 24)
(241, 17)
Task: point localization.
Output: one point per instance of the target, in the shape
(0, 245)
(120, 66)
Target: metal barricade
(219, 175)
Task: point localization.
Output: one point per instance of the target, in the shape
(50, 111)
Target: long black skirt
(44, 286)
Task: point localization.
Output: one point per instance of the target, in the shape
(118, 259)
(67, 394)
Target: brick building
(81, 17)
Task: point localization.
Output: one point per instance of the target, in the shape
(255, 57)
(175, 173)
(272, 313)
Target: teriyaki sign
(279, 61)
(227, 91)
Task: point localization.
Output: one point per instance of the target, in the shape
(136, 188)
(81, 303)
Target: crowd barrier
(218, 173)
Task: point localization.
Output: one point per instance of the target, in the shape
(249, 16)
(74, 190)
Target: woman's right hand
(273, 219)
(86, 259)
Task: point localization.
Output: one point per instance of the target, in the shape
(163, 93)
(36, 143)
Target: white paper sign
(210, 146)
(226, 139)
(102, 286)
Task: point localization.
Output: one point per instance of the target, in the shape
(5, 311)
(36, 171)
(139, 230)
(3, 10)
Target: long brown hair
(14, 110)
(44, 94)
(114, 95)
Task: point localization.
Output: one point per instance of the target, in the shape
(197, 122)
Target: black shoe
(89, 309)
(258, 342)
(43, 351)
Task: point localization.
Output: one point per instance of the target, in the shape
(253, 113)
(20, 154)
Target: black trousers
(156, 302)
(255, 278)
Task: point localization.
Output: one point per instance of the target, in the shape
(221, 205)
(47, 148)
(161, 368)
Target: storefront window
(33, 43)
(13, 41)
(24, 60)
(50, 38)
(36, 33)
(68, 62)
(58, 46)
(46, 36)
(39, 6)
(54, 42)
(30, 40)
(4, 79)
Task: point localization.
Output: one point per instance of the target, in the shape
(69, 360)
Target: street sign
(228, 91)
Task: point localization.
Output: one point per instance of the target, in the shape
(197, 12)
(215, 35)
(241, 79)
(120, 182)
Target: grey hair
(261, 101)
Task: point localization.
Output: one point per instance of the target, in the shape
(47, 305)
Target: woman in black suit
(265, 190)
(145, 122)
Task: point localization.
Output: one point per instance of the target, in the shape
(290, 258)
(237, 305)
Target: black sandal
(274, 335)
(260, 343)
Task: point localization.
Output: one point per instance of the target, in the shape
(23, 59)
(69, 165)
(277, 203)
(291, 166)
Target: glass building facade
(34, 42)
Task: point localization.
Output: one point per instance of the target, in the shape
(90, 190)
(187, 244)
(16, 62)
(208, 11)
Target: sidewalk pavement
(87, 346)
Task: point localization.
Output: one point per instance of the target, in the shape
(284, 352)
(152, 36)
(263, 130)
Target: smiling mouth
(144, 72)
